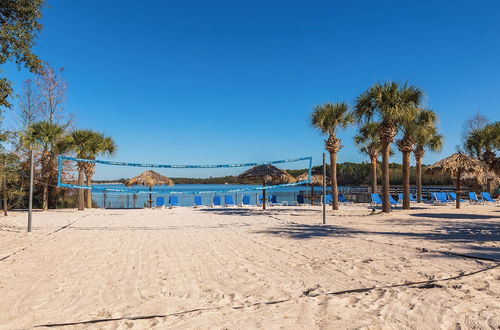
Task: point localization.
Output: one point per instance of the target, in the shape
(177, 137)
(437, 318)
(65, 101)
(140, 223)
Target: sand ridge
(248, 268)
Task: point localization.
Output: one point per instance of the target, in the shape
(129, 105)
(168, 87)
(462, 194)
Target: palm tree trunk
(89, 192)
(373, 173)
(81, 196)
(418, 165)
(386, 150)
(333, 178)
(406, 180)
(45, 198)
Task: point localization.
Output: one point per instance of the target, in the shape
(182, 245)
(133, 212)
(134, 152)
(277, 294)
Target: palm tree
(389, 102)
(368, 143)
(88, 145)
(482, 143)
(416, 121)
(327, 118)
(426, 137)
(51, 140)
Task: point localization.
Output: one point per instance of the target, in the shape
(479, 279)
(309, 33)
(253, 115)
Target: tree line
(43, 126)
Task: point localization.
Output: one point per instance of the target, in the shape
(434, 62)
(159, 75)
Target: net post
(324, 189)
(30, 202)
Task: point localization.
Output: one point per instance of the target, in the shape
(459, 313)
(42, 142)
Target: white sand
(245, 268)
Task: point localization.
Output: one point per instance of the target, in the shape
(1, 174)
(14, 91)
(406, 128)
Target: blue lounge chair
(328, 199)
(160, 202)
(245, 200)
(392, 200)
(487, 197)
(343, 200)
(300, 200)
(376, 200)
(400, 198)
(216, 201)
(453, 197)
(440, 198)
(228, 200)
(273, 200)
(173, 201)
(473, 198)
(197, 201)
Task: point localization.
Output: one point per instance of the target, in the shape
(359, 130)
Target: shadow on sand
(458, 216)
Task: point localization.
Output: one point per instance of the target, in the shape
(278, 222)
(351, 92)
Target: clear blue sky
(230, 81)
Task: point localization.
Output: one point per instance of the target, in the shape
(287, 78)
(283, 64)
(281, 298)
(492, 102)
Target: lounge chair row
(272, 200)
(173, 201)
(451, 197)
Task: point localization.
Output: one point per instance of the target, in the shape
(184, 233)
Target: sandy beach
(243, 268)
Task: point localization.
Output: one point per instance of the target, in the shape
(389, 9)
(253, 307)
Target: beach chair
(453, 197)
(487, 197)
(441, 198)
(328, 199)
(197, 201)
(300, 200)
(228, 200)
(400, 198)
(473, 198)
(273, 200)
(160, 202)
(392, 200)
(245, 200)
(375, 199)
(216, 201)
(173, 201)
(343, 200)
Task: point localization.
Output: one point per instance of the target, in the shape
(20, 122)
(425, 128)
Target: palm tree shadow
(458, 216)
(303, 231)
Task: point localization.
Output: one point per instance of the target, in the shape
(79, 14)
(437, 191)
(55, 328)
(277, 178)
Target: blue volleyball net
(122, 179)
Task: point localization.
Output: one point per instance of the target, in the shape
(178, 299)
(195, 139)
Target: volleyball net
(137, 178)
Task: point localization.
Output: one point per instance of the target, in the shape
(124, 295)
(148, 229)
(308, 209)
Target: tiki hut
(149, 179)
(316, 179)
(265, 174)
(462, 168)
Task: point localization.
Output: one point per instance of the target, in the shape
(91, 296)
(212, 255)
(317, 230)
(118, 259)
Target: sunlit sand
(248, 268)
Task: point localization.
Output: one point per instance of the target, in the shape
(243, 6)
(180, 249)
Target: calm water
(186, 193)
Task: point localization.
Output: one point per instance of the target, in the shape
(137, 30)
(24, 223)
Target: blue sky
(232, 81)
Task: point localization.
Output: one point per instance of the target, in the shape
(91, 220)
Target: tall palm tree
(426, 137)
(51, 140)
(416, 121)
(327, 118)
(368, 143)
(389, 102)
(482, 143)
(89, 144)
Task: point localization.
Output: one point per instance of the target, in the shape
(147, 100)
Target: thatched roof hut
(315, 178)
(463, 169)
(150, 178)
(267, 174)
(468, 168)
